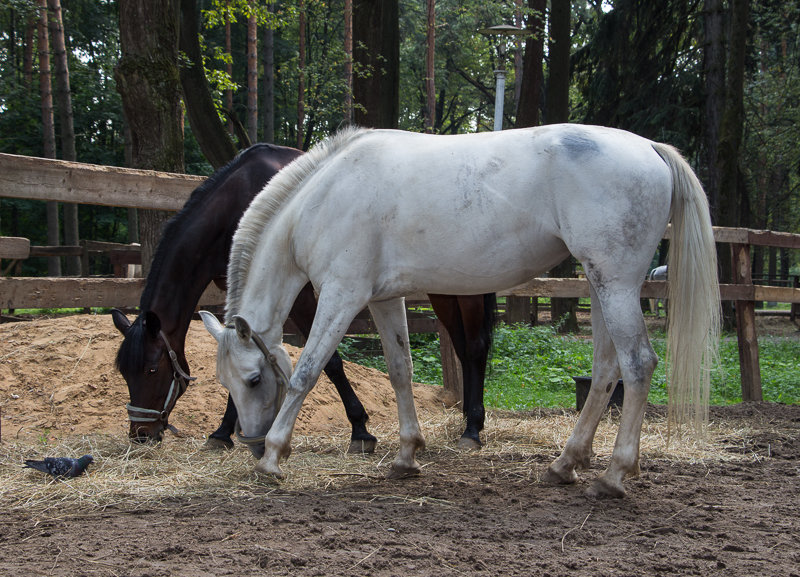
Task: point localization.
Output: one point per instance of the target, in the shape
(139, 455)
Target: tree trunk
(348, 62)
(730, 135)
(252, 73)
(269, 80)
(27, 55)
(563, 311)
(48, 132)
(148, 79)
(532, 76)
(208, 129)
(301, 81)
(228, 69)
(376, 41)
(63, 93)
(430, 84)
(714, 72)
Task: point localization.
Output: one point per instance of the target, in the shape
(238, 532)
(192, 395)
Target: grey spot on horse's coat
(579, 145)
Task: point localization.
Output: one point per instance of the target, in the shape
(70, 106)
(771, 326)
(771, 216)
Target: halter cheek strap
(142, 415)
(281, 380)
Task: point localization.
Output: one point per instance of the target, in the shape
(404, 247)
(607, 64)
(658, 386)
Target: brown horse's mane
(268, 203)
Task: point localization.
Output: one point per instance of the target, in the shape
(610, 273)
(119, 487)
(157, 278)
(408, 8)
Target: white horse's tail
(694, 301)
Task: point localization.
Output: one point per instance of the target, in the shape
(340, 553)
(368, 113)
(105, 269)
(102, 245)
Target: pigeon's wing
(59, 466)
(38, 465)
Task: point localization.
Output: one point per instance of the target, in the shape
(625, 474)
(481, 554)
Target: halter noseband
(280, 378)
(142, 415)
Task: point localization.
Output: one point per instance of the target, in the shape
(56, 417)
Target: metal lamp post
(502, 30)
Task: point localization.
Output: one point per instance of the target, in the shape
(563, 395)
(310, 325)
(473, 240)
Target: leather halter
(142, 415)
(281, 380)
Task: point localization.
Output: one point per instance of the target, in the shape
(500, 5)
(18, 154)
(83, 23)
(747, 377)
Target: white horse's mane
(268, 203)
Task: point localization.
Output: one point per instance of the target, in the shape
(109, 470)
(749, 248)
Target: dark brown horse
(193, 252)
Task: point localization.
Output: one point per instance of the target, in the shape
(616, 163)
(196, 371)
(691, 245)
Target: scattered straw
(130, 476)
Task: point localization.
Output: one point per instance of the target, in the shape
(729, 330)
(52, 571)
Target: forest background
(182, 85)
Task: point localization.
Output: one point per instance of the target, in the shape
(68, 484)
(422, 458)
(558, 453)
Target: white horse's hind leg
(390, 319)
(637, 361)
(605, 374)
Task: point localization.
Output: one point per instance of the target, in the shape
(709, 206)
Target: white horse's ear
(212, 325)
(242, 328)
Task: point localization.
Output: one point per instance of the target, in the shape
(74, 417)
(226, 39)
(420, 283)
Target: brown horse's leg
(221, 438)
(361, 441)
(469, 321)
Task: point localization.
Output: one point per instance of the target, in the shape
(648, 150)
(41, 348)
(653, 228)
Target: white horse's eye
(254, 381)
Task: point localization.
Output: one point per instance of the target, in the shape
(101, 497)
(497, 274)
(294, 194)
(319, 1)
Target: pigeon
(61, 466)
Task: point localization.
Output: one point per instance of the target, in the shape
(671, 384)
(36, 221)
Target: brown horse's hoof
(215, 444)
(469, 444)
(359, 447)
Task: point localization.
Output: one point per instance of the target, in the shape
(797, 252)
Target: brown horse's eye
(152, 370)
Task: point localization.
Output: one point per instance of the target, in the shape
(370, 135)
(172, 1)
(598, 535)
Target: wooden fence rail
(42, 179)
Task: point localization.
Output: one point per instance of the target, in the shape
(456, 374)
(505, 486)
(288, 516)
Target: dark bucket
(582, 386)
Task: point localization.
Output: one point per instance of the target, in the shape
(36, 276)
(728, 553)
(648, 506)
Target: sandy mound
(57, 377)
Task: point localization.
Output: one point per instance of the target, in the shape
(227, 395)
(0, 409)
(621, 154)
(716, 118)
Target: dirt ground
(729, 511)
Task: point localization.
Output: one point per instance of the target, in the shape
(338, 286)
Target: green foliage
(533, 367)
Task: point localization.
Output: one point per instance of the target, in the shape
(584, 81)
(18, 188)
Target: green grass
(533, 367)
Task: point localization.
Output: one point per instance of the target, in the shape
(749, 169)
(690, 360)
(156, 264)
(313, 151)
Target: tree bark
(208, 129)
(430, 53)
(148, 80)
(563, 311)
(269, 80)
(228, 69)
(730, 134)
(252, 73)
(63, 93)
(48, 132)
(714, 73)
(301, 81)
(532, 75)
(348, 62)
(376, 41)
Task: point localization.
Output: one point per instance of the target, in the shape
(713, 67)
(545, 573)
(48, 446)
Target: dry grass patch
(131, 476)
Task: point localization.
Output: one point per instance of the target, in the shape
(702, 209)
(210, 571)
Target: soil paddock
(728, 507)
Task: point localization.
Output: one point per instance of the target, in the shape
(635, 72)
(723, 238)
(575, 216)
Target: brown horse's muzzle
(146, 432)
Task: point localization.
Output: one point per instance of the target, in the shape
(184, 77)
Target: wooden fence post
(746, 327)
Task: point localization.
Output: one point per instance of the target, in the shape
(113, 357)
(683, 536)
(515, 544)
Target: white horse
(369, 216)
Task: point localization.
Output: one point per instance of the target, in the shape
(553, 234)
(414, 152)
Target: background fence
(44, 179)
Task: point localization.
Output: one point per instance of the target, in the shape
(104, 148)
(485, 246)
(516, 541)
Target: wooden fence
(43, 179)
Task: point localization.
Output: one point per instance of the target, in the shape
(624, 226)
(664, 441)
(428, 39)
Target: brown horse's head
(153, 384)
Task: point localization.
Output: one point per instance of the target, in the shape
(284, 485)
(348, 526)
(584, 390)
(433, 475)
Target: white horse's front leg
(390, 319)
(330, 325)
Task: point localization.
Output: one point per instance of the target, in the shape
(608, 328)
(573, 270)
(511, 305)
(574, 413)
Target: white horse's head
(256, 378)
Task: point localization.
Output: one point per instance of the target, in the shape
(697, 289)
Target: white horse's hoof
(402, 471)
(553, 477)
(269, 469)
(602, 488)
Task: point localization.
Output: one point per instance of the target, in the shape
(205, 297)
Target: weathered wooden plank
(772, 238)
(61, 292)
(777, 294)
(46, 179)
(14, 247)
